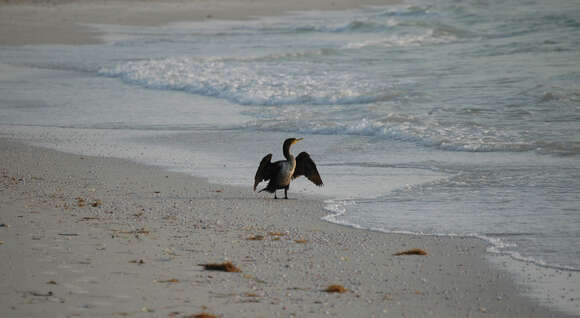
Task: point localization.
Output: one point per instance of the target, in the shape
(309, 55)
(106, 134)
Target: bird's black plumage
(305, 166)
(280, 173)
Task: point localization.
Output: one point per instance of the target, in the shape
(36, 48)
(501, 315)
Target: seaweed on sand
(335, 289)
(414, 251)
(224, 267)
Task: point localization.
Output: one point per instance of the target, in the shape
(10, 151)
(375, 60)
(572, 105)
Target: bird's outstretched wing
(306, 167)
(264, 170)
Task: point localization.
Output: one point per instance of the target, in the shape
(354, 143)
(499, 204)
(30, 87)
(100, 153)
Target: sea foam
(251, 81)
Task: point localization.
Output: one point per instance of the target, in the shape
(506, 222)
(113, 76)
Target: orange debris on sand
(203, 315)
(224, 267)
(414, 251)
(335, 289)
(256, 237)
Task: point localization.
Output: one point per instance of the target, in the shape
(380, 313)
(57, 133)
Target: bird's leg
(286, 193)
(275, 197)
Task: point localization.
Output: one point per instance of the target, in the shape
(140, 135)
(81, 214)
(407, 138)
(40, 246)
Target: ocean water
(430, 117)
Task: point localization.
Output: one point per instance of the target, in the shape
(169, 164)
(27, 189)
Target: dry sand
(86, 237)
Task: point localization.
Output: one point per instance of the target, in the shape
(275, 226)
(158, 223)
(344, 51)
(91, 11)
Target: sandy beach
(84, 236)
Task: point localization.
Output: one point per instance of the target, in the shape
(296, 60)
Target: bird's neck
(287, 153)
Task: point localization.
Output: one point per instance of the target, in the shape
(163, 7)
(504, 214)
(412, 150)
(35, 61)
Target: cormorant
(281, 172)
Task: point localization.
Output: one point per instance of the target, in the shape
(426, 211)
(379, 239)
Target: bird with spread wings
(280, 173)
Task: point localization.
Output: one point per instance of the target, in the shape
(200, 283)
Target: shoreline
(67, 22)
(137, 250)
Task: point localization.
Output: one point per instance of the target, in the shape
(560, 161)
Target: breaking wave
(253, 81)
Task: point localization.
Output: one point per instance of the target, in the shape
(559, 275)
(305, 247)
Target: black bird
(280, 173)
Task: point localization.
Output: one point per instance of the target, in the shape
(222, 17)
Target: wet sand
(69, 22)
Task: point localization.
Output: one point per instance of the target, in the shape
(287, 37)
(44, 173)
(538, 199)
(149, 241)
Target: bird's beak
(297, 140)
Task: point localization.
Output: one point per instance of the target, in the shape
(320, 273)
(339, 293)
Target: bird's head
(290, 141)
